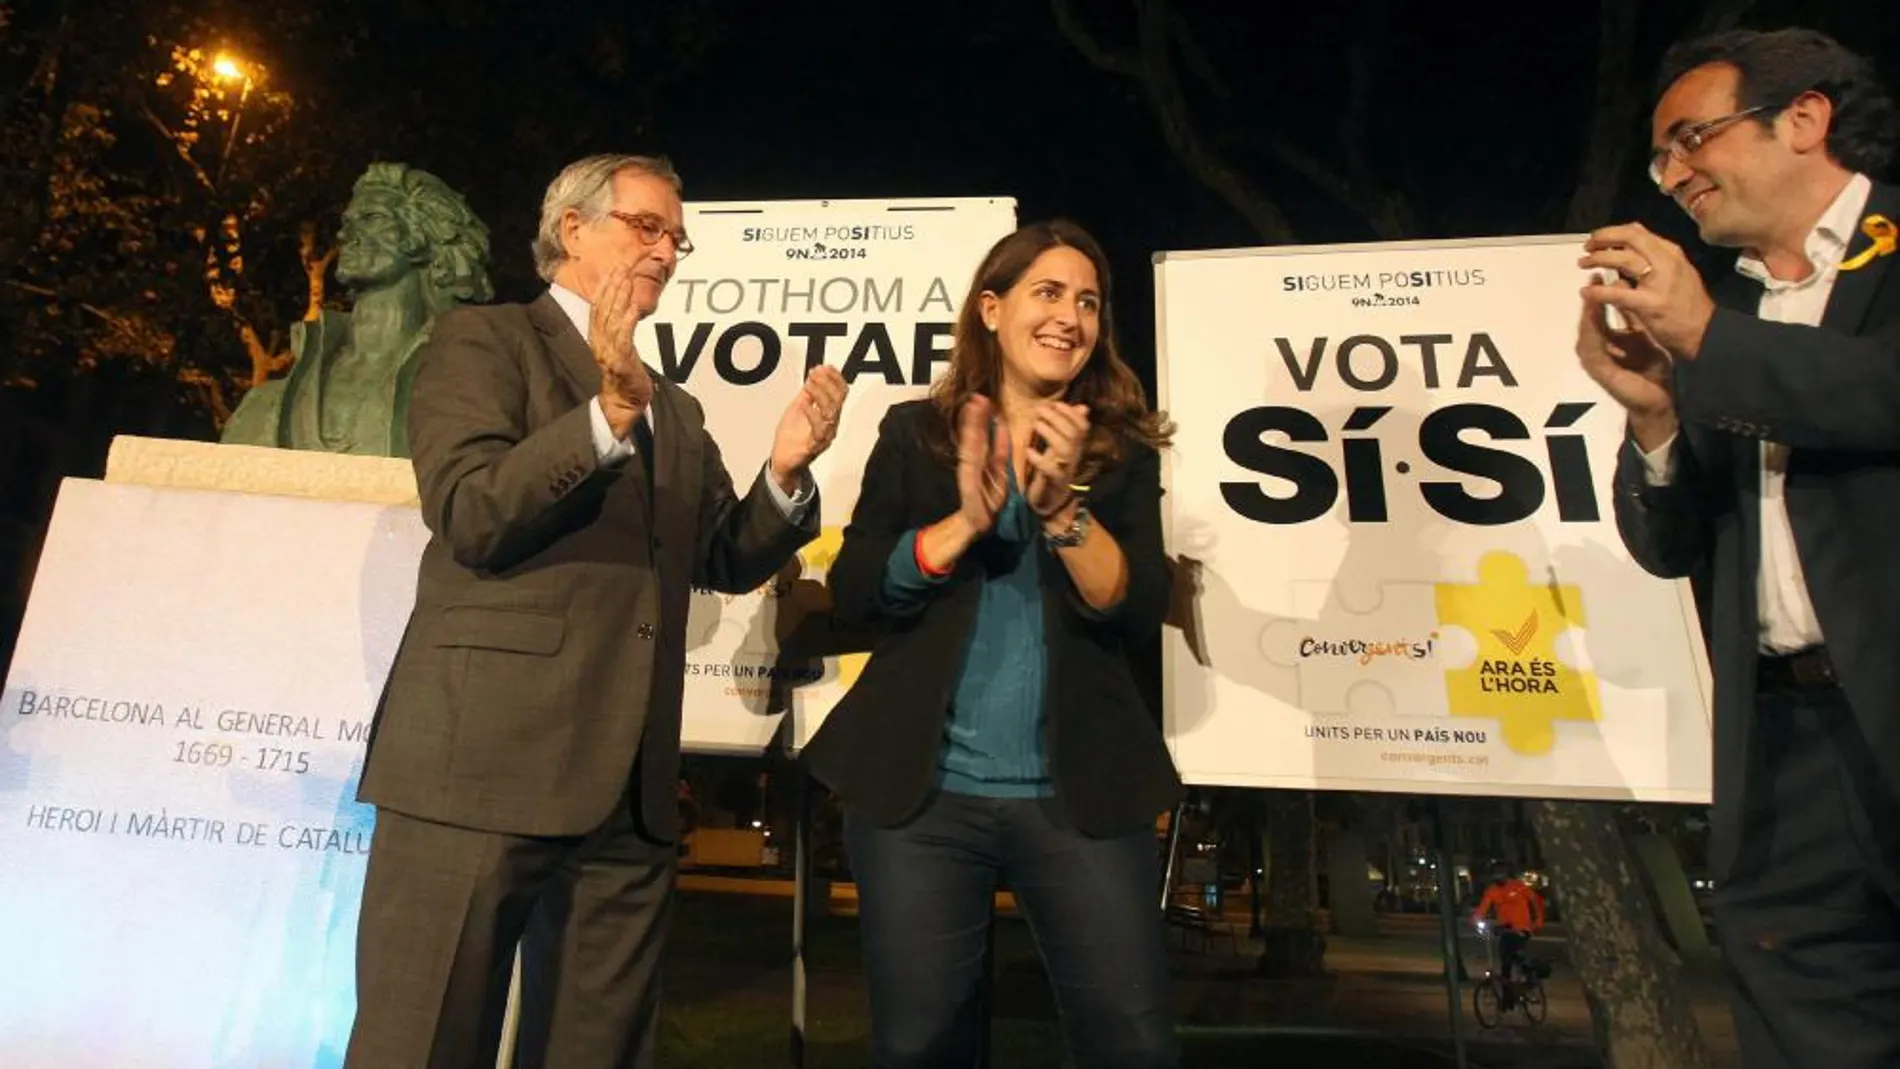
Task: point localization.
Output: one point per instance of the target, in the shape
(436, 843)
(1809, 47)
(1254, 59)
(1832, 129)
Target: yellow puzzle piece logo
(1517, 679)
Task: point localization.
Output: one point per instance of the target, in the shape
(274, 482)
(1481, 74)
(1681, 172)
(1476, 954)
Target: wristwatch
(1073, 535)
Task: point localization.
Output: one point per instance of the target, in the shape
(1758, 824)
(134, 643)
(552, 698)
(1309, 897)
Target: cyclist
(1519, 914)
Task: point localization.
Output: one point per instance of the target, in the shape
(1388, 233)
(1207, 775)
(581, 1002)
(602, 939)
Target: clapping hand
(1063, 430)
(626, 388)
(982, 464)
(809, 425)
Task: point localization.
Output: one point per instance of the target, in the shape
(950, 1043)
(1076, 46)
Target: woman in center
(1006, 545)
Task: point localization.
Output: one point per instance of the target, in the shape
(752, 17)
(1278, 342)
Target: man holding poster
(1764, 419)
(525, 755)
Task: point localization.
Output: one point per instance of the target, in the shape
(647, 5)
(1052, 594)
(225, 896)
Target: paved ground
(1392, 986)
(729, 991)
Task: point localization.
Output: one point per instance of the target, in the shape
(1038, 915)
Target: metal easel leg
(1448, 930)
(801, 906)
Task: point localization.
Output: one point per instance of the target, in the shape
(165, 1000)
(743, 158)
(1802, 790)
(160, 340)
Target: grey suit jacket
(1832, 394)
(547, 648)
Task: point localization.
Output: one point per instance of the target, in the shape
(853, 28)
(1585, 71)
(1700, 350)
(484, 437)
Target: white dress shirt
(1785, 613)
(612, 450)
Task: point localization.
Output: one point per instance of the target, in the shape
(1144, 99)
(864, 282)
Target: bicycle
(1495, 994)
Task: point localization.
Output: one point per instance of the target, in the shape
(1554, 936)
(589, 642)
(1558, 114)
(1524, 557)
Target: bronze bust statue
(410, 249)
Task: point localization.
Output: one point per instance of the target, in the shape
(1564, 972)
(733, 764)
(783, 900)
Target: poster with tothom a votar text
(871, 287)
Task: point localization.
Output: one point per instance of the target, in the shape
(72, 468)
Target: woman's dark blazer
(878, 748)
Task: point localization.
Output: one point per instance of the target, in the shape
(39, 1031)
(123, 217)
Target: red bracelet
(923, 565)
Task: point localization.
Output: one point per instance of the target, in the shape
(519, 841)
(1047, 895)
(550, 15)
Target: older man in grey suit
(526, 751)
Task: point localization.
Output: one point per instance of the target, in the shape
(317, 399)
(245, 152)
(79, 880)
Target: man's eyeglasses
(1690, 139)
(652, 228)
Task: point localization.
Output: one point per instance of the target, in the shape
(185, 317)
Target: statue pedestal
(181, 731)
(250, 469)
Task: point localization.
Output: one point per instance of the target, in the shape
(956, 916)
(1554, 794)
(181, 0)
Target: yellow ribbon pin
(1885, 236)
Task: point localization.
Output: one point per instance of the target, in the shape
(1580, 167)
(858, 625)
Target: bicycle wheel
(1487, 1002)
(1531, 1000)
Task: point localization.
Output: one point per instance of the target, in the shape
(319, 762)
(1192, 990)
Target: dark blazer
(547, 646)
(878, 748)
(1832, 394)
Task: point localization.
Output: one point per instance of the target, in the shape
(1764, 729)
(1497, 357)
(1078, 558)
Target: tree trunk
(1294, 946)
(1638, 1011)
(1640, 1015)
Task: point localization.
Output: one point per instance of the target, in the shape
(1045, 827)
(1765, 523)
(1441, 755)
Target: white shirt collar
(576, 306)
(1827, 242)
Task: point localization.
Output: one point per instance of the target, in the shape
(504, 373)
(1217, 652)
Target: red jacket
(1517, 906)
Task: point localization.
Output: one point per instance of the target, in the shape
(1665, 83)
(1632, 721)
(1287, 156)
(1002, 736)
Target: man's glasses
(1690, 139)
(651, 228)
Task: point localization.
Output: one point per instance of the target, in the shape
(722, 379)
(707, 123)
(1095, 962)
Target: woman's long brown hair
(1118, 406)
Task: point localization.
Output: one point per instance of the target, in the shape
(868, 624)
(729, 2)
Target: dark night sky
(1480, 104)
(1478, 108)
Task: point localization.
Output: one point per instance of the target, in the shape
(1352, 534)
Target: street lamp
(229, 68)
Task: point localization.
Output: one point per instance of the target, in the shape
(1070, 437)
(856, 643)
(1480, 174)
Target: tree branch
(43, 75)
(1103, 57)
(264, 363)
(315, 268)
(1355, 188)
(1162, 33)
(94, 310)
(1389, 213)
(26, 188)
(1723, 15)
(1161, 87)
(210, 392)
(178, 145)
(1616, 119)
(1169, 103)
(1199, 63)
(1315, 170)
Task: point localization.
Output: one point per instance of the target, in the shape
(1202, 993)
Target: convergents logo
(1366, 651)
(1516, 678)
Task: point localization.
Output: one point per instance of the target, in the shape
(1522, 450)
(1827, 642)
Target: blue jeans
(925, 891)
